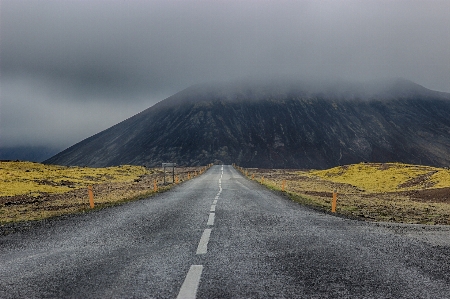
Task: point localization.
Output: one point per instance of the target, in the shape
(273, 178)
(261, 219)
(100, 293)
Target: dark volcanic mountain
(279, 125)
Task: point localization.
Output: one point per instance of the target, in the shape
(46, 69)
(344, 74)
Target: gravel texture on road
(258, 244)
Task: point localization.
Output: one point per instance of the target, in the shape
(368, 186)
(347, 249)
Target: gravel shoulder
(436, 235)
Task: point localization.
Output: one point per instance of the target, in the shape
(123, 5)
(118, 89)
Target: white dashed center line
(191, 282)
(211, 219)
(190, 285)
(203, 244)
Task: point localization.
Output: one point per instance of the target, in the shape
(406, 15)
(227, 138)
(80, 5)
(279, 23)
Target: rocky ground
(417, 206)
(27, 207)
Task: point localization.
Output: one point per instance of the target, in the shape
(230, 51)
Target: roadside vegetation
(392, 192)
(34, 191)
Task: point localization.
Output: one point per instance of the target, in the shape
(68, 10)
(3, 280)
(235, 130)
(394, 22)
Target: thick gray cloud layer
(72, 68)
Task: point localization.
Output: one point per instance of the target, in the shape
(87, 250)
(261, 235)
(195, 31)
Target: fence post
(91, 197)
(173, 173)
(164, 175)
(333, 203)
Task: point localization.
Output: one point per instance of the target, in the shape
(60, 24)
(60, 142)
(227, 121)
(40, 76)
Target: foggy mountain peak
(282, 89)
(279, 125)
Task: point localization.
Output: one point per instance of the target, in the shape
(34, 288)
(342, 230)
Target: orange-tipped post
(333, 203)
(91, 197)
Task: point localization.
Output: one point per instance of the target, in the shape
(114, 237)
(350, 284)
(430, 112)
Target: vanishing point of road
(221, 235)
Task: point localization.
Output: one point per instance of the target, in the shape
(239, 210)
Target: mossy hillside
(387, 177)
(33, 191)
(392, 192)
(25, 178)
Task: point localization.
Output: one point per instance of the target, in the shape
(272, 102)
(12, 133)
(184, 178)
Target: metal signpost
(164, 165)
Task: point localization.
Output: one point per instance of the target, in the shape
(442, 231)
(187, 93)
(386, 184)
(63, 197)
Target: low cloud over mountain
(282, 124)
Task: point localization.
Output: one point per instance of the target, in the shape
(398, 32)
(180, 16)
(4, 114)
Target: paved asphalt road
(219, 236)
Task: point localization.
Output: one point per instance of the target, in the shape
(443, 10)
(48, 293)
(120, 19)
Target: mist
(70, 69)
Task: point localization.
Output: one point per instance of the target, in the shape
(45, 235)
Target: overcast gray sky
(70, 69)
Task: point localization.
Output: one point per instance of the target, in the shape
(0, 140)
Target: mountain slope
(279, 125)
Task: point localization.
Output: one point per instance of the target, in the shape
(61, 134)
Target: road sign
(164, 165)
(169, 164)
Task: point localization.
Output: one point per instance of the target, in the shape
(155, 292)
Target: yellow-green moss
(387, 177)
(20, 178)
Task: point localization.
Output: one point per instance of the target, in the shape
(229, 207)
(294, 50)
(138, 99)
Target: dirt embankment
(42, 205)
(389, 192)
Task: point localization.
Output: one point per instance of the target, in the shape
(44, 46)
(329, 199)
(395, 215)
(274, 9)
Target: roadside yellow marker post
(91, 197)
(333, 203)
(262, 180)
(253, 176)
(177, 180)
(155, 187)
(283, 185)
(189, 175)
